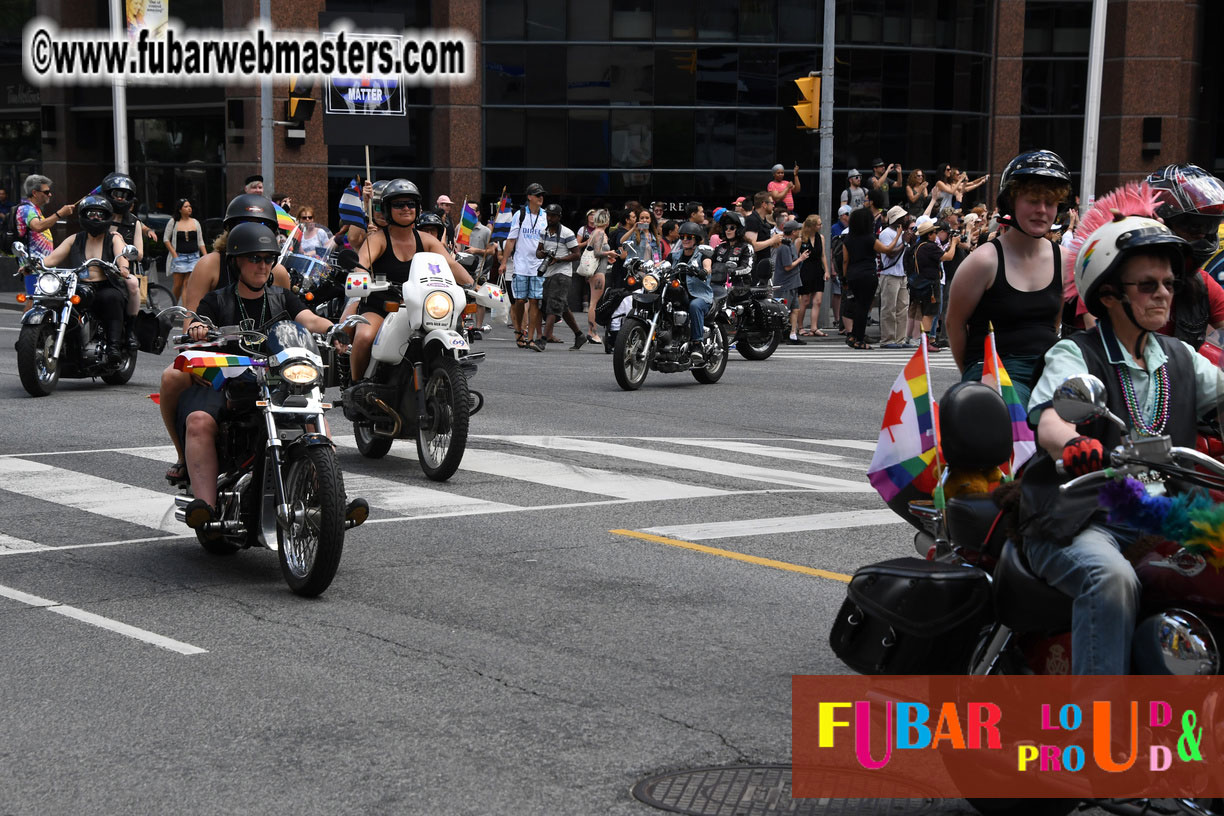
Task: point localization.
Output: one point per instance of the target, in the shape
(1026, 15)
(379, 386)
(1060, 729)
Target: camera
(788, 241)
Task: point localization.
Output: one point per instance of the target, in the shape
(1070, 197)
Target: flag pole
(366, 204)
(937, 496)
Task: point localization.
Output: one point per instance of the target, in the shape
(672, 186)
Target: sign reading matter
(370, 96)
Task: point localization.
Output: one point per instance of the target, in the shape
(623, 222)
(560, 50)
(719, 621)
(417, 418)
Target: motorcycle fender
(311, 440)
(451, 342)
(391, 342)
(645, 297)
(39, 314)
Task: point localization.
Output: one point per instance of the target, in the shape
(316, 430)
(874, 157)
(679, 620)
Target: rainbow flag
(906, 452)
(501, 224)
(1024, 444)
(467, 223)
(213, 367)
(284, 221)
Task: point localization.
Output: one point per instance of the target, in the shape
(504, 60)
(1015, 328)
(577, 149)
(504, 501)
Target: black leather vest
(1191, 311)
(225, 303)
(1050, 514)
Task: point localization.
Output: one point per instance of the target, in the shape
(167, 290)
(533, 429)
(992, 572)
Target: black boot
(129, 331)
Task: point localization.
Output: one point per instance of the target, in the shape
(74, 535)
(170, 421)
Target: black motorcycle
(280, 485)
(655, 332)
(757, 320)
(319, 282)
(60, 337)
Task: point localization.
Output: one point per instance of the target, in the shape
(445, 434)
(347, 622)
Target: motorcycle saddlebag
(911, 616)
(150, 332)
(774, 315)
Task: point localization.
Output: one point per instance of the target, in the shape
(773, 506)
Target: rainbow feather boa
(1191, 520)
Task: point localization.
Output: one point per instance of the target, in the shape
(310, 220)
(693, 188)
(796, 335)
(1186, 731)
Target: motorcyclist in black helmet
(1015, 281)
(95, 240)
(388, 254)
(120, 191)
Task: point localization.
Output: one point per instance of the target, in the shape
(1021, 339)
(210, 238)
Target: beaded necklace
(1160, 415)
(247, 323)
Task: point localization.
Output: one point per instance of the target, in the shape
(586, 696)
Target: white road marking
(105, 623)
(781, 524)
(853, 444)
(769, 451)
(9, 328)
(82, 491)
(10, 544)
(701, 464)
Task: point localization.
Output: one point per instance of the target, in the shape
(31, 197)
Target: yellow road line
(751, 559)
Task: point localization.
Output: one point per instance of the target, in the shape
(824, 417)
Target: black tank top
(76, 255)
(390, 266)
(127, 228)
(1023, 321)
(185, 242)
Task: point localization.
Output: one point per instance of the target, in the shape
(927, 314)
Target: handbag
(589, 263)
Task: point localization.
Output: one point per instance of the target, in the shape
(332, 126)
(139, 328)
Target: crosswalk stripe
(83, 491)
(701, 464)
(769, 451)
(10, 544)
(853, 444)
(564, 475)
(781, 524)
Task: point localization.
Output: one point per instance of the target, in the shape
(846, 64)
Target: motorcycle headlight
(438, 305)
(650, 283)
(300, 373)
(49, 283)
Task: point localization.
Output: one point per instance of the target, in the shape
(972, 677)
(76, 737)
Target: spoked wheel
(759, 345)
(628, 364)
(442, 436)
(311, 544)
(39, 373)
(159, 298)
(124, 373)
(716, 359)
(370, 445)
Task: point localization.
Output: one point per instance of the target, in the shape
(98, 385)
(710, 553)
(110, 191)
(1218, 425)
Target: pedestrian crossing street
(831, 350)
(69, 499)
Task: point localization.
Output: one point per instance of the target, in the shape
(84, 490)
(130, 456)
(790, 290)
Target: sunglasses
(122, 195)
(688, 237)
(44, 192)
(404, 205)
(1149, 287)
(268, 259)
(94, 215)
(307, 218)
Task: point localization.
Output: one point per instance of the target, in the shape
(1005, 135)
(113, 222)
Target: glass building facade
(1055, 81)
(685, 99)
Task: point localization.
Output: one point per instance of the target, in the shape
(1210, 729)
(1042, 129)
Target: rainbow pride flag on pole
(907, 450)
(213, 367)
(284, 221)
(1024, 444)
(467, 223)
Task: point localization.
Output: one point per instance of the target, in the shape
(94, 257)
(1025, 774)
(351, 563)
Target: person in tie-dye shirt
(33, 229)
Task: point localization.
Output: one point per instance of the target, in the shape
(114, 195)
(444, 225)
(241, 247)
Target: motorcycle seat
(1024, 602)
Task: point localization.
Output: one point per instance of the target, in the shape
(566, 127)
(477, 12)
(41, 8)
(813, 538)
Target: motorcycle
(318, 282)
(280, 486)
(655, 332)
(416, 384)
(756, 320)
(985, 612)
(59, 335)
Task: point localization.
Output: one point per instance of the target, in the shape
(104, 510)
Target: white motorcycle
(416, 384)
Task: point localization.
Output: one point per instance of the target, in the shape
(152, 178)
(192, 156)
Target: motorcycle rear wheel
(34, 346)
(124, 373)
(629, 370)
(368, 444)
(311, 544)
(716, 360)
(442, 437)
(759, 345)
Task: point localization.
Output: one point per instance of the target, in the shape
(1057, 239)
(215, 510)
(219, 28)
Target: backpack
(838, 249)
(9, 235)
(910, 264)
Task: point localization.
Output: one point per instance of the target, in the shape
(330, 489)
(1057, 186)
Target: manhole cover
(765, 790)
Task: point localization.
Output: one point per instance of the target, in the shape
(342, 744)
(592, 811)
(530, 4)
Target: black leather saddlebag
(150, 332)
(774, 315)
(911, 616)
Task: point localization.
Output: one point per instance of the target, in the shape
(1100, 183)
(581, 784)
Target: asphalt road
(494, 646)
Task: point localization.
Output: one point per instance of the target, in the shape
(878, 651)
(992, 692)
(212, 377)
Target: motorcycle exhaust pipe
(395, 418)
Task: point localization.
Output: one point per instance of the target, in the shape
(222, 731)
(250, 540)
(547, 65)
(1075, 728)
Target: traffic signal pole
(825, 207)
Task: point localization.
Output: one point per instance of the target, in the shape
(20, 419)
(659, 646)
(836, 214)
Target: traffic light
(301, 105)
(809, 102)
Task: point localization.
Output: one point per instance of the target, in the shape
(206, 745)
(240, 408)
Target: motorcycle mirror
(348, 259)
(1080, 398)
(19, 249)
(131, 253)
(664, 266)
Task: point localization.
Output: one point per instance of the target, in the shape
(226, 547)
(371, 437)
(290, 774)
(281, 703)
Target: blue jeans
(1093, 571)
(698, 309)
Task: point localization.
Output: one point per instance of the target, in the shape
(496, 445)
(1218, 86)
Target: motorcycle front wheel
(759, 345)
(370, 445)
(311, 543)
(628, 364)
(442, 436)
(39, 375)
(716, 360)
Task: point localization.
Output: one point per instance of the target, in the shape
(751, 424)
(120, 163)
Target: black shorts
(198, 398)
(927, 298)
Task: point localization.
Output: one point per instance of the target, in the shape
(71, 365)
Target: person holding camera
(557, 249)
(880, 180)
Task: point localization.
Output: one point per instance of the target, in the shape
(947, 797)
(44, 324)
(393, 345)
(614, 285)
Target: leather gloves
(1083, 454)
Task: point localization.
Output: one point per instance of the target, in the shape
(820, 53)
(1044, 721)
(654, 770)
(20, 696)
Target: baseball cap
(877, 162)
(791, 226)
(536, 189)
(844, 210)
(443, 199)
(740, 200)
(551, 209)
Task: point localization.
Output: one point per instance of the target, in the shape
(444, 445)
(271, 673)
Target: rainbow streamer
(467, 223)
(284, 220)
(1024, 444)
(906, 450)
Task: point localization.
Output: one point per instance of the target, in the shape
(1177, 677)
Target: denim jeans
(1093, 571)
(698, 309)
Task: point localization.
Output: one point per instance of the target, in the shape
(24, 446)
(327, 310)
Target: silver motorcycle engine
(1174, 641)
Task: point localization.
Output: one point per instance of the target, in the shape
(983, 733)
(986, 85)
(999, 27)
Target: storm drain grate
(765, 790)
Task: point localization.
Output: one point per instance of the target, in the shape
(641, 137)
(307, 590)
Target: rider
(432, 223)
(1125, 271)
(388, 254)
(120, 190)
(733, 257)
(251, 250)
(1013, 283)
(700, 293)
(96, 241)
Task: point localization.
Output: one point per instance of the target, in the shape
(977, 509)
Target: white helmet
(1103, 251)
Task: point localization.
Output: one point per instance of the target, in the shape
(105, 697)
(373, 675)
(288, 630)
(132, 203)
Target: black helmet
(250, 207)
(119, 181)
(399, 188)
(95, 204)
(431, 221)
(689, 228)
(249, 238)
(1044, 164)
(731, 218)
(1191, 201)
